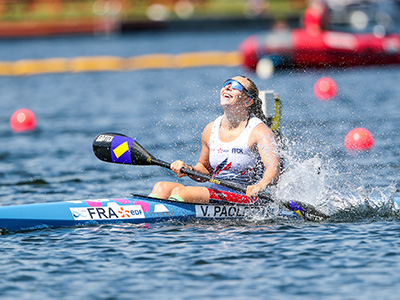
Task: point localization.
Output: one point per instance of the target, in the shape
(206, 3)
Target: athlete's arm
(262, 140)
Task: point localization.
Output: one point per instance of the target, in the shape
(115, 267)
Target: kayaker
(237, 146)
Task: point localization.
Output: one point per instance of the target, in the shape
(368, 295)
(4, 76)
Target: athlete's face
(235, 93)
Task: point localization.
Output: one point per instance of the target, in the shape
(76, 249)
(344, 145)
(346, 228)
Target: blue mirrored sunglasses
(237, 86)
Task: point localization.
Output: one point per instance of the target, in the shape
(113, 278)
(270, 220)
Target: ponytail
(256, 111)
(256, 108)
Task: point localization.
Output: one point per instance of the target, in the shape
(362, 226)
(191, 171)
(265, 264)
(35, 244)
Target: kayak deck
(136, 210)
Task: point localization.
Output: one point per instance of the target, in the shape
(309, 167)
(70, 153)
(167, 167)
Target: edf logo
(237, 151)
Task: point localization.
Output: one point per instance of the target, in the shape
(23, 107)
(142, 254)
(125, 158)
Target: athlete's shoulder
(207, 131)
(262, 130)
(209, 126)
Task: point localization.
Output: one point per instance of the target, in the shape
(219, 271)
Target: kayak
(136, 210)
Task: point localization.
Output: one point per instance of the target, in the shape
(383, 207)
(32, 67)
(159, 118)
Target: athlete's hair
(256, 108)
(256, 111)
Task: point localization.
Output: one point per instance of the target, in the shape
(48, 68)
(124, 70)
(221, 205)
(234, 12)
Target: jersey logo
(223, 166)
(221, 150)
(237, 151)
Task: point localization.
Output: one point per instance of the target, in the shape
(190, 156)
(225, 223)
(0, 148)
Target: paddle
(121, 149)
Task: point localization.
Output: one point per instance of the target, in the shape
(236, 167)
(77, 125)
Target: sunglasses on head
(237, 86)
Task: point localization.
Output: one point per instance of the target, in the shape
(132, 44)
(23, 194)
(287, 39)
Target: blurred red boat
(301, 48)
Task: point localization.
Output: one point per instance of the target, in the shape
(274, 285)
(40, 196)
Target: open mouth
(226, 95)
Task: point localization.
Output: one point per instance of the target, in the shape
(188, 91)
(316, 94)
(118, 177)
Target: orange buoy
(359, 139)
(325, 88)
(23, 120)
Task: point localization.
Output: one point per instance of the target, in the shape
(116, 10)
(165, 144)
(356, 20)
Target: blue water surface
(166, 110)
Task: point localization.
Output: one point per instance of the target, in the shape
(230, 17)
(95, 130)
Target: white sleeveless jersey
(234, 161)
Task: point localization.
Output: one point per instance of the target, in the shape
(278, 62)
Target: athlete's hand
(252, 191)
(177, 166)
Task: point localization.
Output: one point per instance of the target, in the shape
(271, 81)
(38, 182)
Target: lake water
(355, 257)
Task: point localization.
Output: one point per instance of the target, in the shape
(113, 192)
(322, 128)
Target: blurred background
(44, 17)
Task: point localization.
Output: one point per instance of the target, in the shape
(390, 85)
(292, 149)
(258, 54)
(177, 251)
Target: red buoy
(23, 120)
(325, 89)
(359, 139)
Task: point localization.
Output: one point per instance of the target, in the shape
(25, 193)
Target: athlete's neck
(235, 121)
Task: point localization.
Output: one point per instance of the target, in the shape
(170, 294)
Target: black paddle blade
(120, 149)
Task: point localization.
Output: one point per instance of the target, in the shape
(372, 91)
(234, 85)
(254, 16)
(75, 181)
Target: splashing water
(312, 182)
(304, 181)
(361, 205)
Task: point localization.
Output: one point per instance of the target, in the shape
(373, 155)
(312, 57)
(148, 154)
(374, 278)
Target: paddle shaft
(228, 184)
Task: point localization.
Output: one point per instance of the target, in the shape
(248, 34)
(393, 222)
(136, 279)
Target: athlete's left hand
(252, 191)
